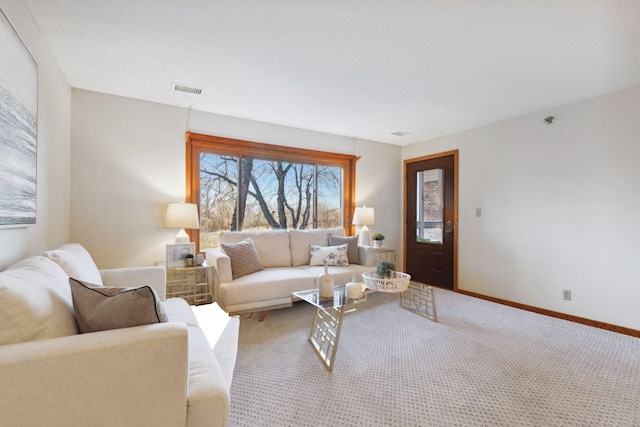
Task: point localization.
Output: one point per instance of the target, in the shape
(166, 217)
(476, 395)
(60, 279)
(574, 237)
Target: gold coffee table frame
(327, 322)
(419, 299)
(324, 334)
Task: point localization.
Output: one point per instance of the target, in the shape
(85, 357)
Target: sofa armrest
(221, 269)
(365, 253)
(155, 277)
(132, 376)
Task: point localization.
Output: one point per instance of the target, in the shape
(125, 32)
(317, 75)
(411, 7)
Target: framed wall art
(18, 129)
(177, 253)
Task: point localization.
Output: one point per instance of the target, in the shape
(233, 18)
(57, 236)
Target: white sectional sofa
(176, 373)
(285, 257)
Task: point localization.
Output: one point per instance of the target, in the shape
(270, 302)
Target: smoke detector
(400, 133)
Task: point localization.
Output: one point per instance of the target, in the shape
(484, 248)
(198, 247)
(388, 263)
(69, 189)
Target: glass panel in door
(430, 206)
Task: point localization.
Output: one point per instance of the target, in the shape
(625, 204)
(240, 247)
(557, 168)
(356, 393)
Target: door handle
(449, 231)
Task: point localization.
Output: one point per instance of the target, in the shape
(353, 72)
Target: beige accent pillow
(35, 302)
(352, 246)
(244, 258)
(301, 240)
(332, 255)
(76, 261)
(101, 308)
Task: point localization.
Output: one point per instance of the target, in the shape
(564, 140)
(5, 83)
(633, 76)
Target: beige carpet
(482, 364)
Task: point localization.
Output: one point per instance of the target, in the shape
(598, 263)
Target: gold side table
(383, 254)
(193, 284)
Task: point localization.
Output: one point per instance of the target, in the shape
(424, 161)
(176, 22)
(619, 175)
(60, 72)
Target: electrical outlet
(566, 295)
(478, 212)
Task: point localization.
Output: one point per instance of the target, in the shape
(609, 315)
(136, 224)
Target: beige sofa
(285, 256)
(163, 374)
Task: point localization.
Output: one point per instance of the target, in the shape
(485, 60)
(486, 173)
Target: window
(430, 206)
(242, 185)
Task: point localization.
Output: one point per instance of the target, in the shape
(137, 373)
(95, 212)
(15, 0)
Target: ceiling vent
(400, 133)
(187, 89)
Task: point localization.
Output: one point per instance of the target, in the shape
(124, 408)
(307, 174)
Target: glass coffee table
(327, 322)
(324, 335)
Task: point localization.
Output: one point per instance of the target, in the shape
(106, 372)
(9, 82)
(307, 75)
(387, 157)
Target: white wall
(128, 162)
(379, 184)
(560, 208)
(54, 118)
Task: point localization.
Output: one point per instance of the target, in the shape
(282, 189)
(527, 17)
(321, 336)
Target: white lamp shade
(364, 216)
(182, 215)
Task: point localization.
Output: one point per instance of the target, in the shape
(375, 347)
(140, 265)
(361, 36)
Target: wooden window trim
(197, 143)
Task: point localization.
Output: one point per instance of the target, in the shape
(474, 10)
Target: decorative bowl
(398, 282)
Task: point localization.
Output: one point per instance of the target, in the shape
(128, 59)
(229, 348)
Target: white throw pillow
(35, 302)
(76, 261)
(300, 241)
(332, 255)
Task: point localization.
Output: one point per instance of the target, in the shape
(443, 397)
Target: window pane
(218, 191)
(273, 194)
(329, 197)
(430, 206)
(280, 195)
(237, 192)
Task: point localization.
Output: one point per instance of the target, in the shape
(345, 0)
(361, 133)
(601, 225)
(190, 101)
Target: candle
(353, 289)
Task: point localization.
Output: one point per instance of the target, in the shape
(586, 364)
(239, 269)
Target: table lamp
(182, 216)
(364, 216)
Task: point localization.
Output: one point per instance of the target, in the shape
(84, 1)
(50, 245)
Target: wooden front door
(431, 214)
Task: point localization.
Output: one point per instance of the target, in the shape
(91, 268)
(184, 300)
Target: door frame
(453, 153)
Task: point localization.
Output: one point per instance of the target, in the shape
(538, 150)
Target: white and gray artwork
(18, 129)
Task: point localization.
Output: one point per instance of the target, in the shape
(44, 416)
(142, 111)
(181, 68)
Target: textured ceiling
(360, 68)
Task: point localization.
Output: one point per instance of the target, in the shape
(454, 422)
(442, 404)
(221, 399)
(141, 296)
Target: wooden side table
(383, 254)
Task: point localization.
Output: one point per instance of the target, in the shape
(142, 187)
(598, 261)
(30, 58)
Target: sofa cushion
(265, 285)
(352, 246)
(244, 257)
(301, 240)
(101, 308)
(76, 261)
(35, 302)
(272, 245)
(330, 255)
(178, 310)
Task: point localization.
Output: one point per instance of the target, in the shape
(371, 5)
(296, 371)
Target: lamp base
(182, 237)
(364, 238)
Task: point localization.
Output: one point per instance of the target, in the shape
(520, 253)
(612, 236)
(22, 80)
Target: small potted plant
(385, 270)
(377, 239)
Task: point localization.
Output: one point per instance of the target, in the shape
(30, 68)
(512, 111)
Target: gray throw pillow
(352, 246)
(101, 308)
(244, 257)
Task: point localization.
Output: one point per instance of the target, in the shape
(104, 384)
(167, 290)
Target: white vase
(377, 243)
(325, 283)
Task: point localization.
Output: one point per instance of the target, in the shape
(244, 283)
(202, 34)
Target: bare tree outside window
(245, 185)
(330, 180)
(265, 194)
